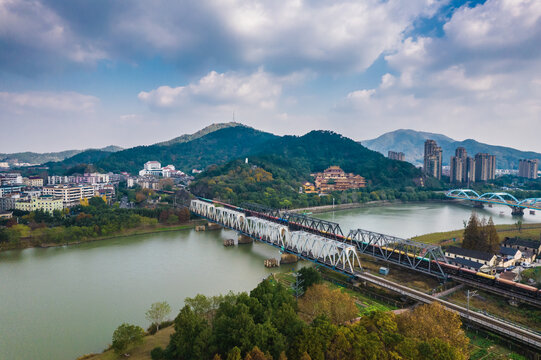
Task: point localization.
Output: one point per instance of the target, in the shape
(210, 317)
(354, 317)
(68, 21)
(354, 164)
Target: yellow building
(44, 203)
(309, 188)
(335, 179)
(33, 181)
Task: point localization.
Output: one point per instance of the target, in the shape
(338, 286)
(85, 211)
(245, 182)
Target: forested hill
(214, 148)
(277, 170)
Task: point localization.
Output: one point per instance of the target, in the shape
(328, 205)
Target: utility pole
(297, 286)
(469, 295)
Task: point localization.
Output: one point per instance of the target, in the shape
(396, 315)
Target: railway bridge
(322, 242)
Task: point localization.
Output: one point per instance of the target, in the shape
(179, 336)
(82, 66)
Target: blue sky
(79, 74)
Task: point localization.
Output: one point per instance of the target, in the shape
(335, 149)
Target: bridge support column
(288, 259)
(518, 211)
(478, 205)
(243, 239)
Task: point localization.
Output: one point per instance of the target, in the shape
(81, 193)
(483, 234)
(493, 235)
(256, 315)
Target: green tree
(309, 276)
(234, 354)
(157, 313)
(191, 337)
(126, 335)
(472, 238)
(493, 239)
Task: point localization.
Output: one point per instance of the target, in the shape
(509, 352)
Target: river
(60, 303)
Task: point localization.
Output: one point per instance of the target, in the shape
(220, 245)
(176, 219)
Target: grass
(139, 352)
(482, 348)
(524, 315)
(529, 231)
(533, 273)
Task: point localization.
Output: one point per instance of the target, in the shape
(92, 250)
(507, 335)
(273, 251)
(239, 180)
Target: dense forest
(269, 323)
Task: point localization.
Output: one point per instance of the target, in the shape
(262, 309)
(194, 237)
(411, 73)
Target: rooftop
(508, 251)
(469, 263)
(469, 253)
(532, 244)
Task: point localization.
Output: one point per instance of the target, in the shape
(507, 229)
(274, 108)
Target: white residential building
(70, 194)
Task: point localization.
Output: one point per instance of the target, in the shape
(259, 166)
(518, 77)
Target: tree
(433, 321)
(309, 276)
(234, 354)
(157, 313)
(319, 300)
(472, 234)
(493, 239)
(126, 335)
(518, 225)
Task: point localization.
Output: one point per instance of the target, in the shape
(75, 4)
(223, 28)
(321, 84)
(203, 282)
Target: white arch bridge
(500, 198)
(328, 252)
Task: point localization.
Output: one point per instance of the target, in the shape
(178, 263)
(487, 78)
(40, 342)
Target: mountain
(207, 130)
(411, 143)
(213, 148)
(278, 168)
(41, 158)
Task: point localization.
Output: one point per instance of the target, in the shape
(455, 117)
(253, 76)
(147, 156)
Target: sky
(80, 74)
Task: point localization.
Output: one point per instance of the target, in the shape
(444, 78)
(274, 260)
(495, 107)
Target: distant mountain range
(411, 143)
(40, 158)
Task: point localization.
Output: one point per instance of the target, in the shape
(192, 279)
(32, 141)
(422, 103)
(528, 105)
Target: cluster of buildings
(60, 192)
(394, 155)
(334, 179)
(152, 174)
(513, 251)
(466, 170)
(154, 168)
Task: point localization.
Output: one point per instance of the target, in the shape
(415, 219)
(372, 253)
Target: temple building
(335, 179)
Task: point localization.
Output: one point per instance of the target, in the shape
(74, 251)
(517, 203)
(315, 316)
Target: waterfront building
(334, 178)
(485, 167)
(393, 155)
(432, 165)
(71, 194)
(528, 168)
(462, 167)
(47, 203)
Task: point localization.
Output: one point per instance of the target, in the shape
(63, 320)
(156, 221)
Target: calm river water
(60, 303)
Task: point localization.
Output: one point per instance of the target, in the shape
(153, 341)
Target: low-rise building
(8, 202)
(10, 189)
(509, 256)
(46, 203)
(154, 168)
(481, 257)
(530, 249)
(309, 188)
(71, 194)
(6, 215)
(33, 181)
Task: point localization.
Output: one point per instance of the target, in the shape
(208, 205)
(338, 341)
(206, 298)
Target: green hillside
(277, 170)
(214, 148)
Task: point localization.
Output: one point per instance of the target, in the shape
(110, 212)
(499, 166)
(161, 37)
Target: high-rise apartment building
(432, 159)
(393, 155)
(485, 167)
(462, 167)
(528, 168)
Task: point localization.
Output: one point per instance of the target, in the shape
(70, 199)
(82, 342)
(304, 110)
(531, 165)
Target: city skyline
(79, 76)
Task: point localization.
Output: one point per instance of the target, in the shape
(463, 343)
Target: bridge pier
(243, 239)
(478, 205)
(518, 211)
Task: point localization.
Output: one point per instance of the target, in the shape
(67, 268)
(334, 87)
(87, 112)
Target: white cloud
(257, 89)
(479, 80)
(48, 101)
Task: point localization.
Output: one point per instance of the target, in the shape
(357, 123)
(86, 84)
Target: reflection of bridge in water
(499, 198)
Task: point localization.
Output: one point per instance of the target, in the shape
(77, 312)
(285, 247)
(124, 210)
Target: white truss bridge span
(328, 252)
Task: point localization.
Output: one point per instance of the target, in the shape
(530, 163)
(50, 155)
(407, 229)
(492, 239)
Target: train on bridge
(292, 233)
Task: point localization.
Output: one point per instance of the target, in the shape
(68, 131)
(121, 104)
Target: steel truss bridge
(500, 198)
(309, 239)
(319, 240)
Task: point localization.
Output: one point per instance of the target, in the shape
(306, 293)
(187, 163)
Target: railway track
(501, 327)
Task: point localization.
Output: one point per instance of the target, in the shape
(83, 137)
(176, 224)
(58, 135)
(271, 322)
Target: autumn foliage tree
(319, 300)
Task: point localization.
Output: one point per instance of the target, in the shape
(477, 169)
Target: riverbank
(329, 208)
(454, 237)
(27, 243)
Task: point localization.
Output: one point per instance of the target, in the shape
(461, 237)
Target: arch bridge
(500, 198)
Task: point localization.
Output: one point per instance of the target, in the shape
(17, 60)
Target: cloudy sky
(77, 74)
